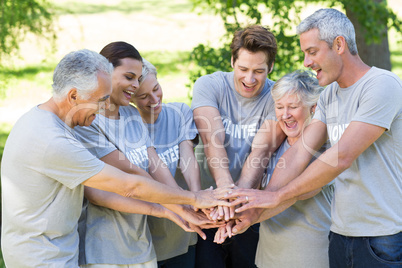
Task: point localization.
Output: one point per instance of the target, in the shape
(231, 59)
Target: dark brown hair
(116, 51)
(254, 38)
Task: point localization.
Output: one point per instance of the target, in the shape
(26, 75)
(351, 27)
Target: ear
(271, 68)
(72, 96)
(231, 62)
(340, 44)
(312, 110)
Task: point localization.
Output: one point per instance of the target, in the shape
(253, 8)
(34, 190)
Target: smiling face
(321, 58)
(292, 116)
(148, 99)
(84, 111)
(125, 81)
(250, 72)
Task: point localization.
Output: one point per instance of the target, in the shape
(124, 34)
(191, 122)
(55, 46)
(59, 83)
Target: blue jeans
(236, 252)
(362, 252)
(186, 260)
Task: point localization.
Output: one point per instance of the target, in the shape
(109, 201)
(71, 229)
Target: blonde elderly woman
(298, 236)
(173, 133)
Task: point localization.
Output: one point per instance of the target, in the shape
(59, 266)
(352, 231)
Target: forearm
(267, 213)
(218, 164)
(266, 141)
(212, 132)
(315, 176)
(159, 171)
(189, 166)
(253, 170)
(123, 204)
(156, 192)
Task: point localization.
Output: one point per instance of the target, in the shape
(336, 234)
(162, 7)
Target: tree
(372, 19)
(20, 17)
(17, 18)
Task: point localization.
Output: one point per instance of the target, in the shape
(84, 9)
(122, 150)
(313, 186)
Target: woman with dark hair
(114, 229)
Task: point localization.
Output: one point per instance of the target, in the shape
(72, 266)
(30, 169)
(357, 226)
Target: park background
(165, 33)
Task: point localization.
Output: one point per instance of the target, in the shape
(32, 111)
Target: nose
(286, 113)
(250, 79)
(135, 84)
(307, 61)
(154, 98)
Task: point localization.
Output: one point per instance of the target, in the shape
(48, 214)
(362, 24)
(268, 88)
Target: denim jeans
(186, 260)
(362, 252)
(236, 252)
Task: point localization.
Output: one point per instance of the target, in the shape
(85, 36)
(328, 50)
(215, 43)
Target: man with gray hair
(44, 169)
(360, 111)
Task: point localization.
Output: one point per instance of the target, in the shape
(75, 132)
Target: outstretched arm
(212, 132)
(189, 165)
(357, 137)
(266, 141)
(210, 127)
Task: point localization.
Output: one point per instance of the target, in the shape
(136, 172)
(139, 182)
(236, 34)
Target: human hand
(170, 215)
(252, 198)
(223, 212)
(245, 219)
(198, 218)
(223, 232)
(211, 198)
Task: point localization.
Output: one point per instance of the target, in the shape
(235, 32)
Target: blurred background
(184, 39)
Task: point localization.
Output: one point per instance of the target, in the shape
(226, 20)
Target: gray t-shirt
(174, 124)
(113, 237)
(42, 169)
(367, 200)
(241, 118)
(297, 237)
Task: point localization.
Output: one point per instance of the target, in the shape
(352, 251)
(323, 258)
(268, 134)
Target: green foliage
(20, 17)
(373, 15)
(283, 16)
(17, 18)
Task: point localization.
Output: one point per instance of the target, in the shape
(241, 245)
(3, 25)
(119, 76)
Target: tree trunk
(374, 54)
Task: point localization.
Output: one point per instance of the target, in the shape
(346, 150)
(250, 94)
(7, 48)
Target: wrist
(222, 182)
(158, 211)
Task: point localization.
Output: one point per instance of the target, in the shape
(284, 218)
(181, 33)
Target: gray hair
(147, 68)
(302, 83)
(79, 69)
(330, 24)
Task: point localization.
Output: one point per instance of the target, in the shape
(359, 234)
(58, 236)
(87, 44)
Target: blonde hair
(302, 83)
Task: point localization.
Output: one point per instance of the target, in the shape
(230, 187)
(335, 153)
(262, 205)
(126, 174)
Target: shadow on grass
(28, 71)
(168, 63)
(154, 7)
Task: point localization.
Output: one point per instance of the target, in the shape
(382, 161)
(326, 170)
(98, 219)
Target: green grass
(152, 7)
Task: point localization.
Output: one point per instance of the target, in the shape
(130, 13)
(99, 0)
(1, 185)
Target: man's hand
(252, 198)
(245, 219)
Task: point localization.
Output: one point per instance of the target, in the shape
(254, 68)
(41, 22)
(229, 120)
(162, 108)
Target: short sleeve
(67, 161)
(271, 115)
(206, 91)
(380, 102)
(188, 129)
(319, 113)
(93, 139)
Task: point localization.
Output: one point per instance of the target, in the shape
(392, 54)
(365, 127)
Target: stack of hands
(232, 216)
